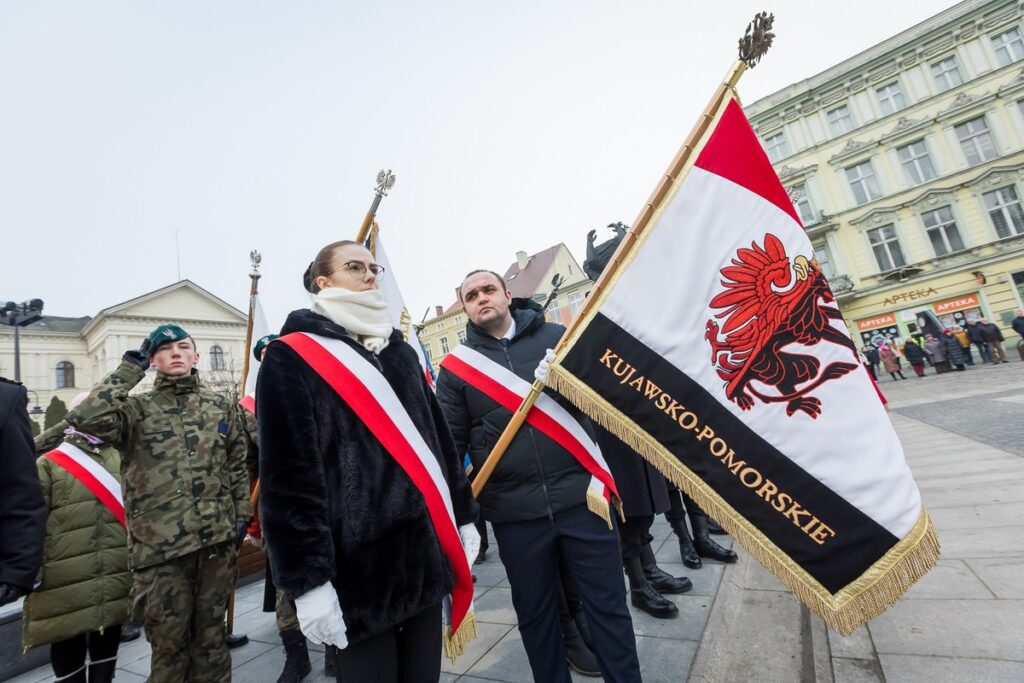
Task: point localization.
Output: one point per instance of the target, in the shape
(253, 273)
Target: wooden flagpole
(254, 277)
(752, 46)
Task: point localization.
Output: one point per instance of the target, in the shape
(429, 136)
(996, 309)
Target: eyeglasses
(357, 269)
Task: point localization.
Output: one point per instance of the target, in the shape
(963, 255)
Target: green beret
(262, 344)
(165, 334)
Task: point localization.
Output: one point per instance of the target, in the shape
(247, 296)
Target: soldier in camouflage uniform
(186, 500)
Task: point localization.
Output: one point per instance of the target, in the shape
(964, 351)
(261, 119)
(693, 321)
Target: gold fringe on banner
(455, 642)
(878, 588)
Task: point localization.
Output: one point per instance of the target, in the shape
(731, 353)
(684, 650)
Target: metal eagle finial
(385, 181)
(255, 258)
(758, 38)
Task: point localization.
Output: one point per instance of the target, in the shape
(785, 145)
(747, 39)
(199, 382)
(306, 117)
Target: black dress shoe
(643, 596)
(130, 631)
(661, 580)
(234, 640)
(715, 528)
(481, 557)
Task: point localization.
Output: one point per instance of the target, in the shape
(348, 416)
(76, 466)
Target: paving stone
(988, 629)
(495, 607)
(489, 636)
(1004, 576)
(857, 645)
(972, 495)
(688, 625)
(987, 542)
(977, 516)
(506, 661)
(950, 579)
(857, 671)
(664, 660)
(913, 669)
(705, 580)
(490, 573)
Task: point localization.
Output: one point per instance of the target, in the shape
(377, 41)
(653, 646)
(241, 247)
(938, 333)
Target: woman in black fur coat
(349, 533)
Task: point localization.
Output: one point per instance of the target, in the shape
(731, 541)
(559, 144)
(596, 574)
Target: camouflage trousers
(182, 603)
(285, 612)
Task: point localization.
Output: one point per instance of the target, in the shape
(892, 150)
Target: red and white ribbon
(508, 390)
(92, 475)
(365, 390)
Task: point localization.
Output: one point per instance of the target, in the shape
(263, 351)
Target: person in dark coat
(993, 338)
(978, 339)
(350, 534)
(914, 354)
(1018, 323)
(644, 494)
(936, 350)
(23, 510)
(954, 352)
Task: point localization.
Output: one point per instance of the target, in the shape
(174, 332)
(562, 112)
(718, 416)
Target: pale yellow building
(907, 161)
(63, 356)
(530, 277)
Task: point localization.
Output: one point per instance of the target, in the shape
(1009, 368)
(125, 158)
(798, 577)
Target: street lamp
(36, 410)
(18, 316)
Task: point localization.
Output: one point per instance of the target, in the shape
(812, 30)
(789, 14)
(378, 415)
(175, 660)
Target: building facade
(906, 164)
(530, 277)
(65, 356)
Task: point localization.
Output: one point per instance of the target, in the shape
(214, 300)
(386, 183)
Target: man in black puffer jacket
(536, 499)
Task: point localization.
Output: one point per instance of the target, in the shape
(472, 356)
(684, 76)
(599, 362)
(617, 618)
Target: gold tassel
(879, 587)
(455, 643)
(597, 504)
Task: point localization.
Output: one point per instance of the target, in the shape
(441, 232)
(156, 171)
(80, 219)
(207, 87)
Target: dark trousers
(983, 352)
(634, 534)
(481, 527)
(68, 656)
(531, 552)
(968, 355)
(409, 652)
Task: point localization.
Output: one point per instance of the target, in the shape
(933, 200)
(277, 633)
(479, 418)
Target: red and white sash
(92, 475)
(365, 390)
(508, 390)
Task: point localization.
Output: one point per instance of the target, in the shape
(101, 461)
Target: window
(1004, 208)
(840, 120)
(863, 182)
(217, 358)
(975, 140)
(886, 246)
(575, 303)
(824, 260)
(946, 74)
(802, 202)
(917, 165)
(444, 346)
(461, 335)
(890, 98)
(1008, 46)
(942, 231)
(776, 147)
(65, 375)
(555, 313)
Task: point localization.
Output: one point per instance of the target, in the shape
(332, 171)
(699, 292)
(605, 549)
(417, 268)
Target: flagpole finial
(254, 259)
(757, 39)
(385, 181)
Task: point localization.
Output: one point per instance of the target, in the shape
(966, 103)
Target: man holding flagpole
(538, 499)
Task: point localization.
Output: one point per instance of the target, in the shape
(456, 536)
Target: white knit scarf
(363, 314)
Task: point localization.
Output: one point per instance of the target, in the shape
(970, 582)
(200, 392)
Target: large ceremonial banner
(716, 350)
(260, 329)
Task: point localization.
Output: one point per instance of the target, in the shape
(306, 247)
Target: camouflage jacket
(183, 461)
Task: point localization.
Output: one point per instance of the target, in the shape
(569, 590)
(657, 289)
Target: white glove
(253, 541)
(319, 614)
(470, 542)
(541, 373)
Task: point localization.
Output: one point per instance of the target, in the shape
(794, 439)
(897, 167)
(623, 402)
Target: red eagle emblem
(768, 304)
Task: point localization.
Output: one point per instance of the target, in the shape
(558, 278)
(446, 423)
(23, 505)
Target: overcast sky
(261, 125)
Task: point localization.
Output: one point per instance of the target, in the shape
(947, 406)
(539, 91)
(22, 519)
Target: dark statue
(599, 256)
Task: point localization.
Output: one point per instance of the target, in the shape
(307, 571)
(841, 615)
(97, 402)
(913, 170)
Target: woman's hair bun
(307, 278)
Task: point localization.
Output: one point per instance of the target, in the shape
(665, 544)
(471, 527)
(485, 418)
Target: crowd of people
(951, 351)
(133, 509)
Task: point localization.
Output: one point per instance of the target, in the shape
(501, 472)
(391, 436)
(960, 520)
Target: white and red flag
(717, 351)
(260, 329)
(400, 318)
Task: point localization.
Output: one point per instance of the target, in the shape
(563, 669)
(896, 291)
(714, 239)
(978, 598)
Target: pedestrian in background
(82, 598)
(993, 338)
(890, 360)
(978, 339)
(936, 350)
(914, 354)
(954, 353)
(869, 358)
(965, 344)
(186, 499)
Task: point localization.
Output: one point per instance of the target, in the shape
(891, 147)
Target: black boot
(296, 657)
(234, 640)
(102, 672)
(643, 596)
(714, 528)
(661, 580)
(686, 550)
(330, 666)
(581, 659)
(703, 543)
(130, 631)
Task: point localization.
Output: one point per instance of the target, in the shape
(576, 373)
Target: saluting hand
(140, 356)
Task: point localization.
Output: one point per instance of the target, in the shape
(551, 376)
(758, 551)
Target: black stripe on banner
(828, 537)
